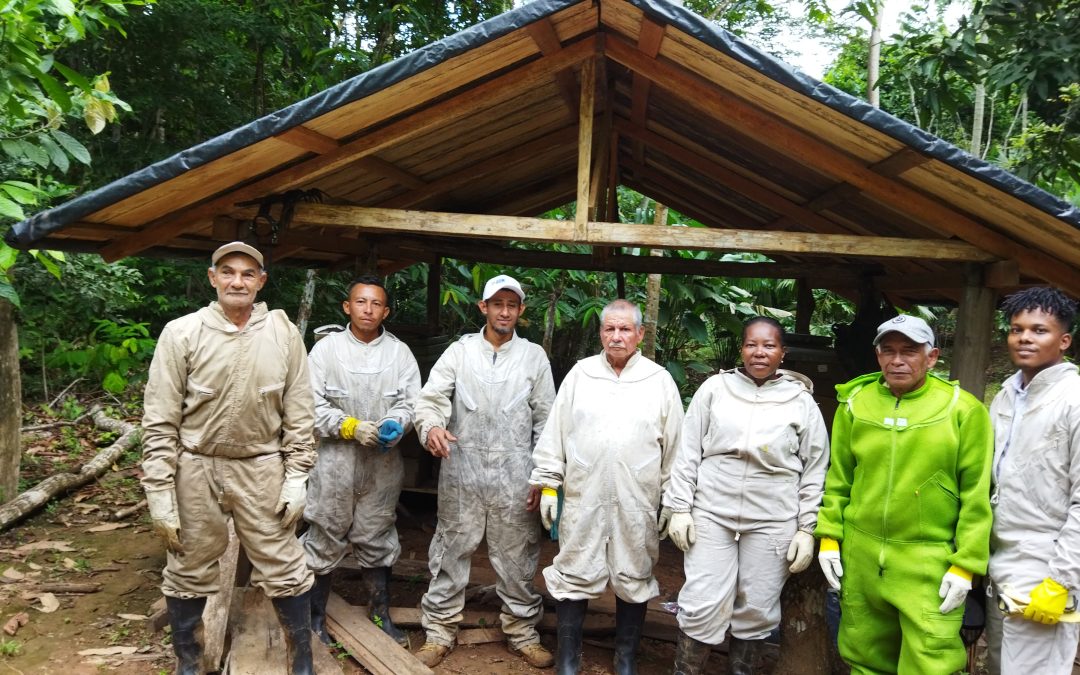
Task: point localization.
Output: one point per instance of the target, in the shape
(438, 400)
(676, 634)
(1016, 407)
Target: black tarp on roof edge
(24, 234)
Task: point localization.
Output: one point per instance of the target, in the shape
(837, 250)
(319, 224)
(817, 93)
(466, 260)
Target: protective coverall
(353, 490)
(907, 495)
(496, 404)
(225, 412)
(750, 469)
(609, 443)
(1036, 501)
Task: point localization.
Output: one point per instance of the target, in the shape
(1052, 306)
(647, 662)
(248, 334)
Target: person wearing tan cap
(228, 431)
(481, 411)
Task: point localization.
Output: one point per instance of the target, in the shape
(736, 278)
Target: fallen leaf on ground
(49, 603)
(62, 546)
(70, 564)
(87, 508)
(16, 622)
(12, 573)
(34, 566)
(108, 651)
(108, 527)
(133, 617)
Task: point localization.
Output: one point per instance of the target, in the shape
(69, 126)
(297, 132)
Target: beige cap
(237, 247)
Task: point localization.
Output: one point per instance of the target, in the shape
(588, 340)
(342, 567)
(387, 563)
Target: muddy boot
(690, 655)
(377, 580)
(294, 614)
(571, 619)
(629, 620)
(742, 655)
(184, 617)
(320, 593)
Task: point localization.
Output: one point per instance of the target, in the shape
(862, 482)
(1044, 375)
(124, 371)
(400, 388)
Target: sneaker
(431, 654)
(535, 655)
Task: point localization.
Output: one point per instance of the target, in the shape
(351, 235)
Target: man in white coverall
(228, 431)
(481, 411)
(609, 445)
(365, 381)
(1035, 540)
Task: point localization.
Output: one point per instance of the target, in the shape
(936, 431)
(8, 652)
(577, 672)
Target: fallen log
(67, 587)
(58, 484)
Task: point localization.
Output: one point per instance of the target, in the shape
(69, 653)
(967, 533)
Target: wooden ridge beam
(623, 234)
(733, 111)
(505, 86)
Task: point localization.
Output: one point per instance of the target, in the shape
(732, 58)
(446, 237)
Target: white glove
(292, 496)
(663, 521)
(800, 551)
(830, 565)
(681, 531)
(366, 433)
(162, 505)
(549, 507)
(954, 590)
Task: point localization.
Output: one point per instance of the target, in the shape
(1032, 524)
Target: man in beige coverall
(228, 431)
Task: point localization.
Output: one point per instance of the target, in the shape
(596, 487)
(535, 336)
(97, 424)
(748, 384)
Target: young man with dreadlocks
(1035, 542)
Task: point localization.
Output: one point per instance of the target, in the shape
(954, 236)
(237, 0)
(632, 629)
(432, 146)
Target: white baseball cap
(911, 326)
(500, 282)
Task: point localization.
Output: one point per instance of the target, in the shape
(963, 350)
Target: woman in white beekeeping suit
(744, 495)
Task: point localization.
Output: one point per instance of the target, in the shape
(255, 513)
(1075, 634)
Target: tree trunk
(303, 312)
(59, 483)
(978, 115)
(10, 403)
(652, 293)
(873, 61)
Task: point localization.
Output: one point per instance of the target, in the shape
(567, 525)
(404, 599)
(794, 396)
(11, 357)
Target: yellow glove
(1048, 601)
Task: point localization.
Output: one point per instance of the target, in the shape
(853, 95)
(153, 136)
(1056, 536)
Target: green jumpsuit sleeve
(838, 480)
(973, 483)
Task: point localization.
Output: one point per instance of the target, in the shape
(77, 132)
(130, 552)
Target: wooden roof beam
(623, 234)
(507, 85)
(543, 34)
(710, 100)
(697, 204)
(585, 145)
(307, 139)
(650, 36)
(390, 171)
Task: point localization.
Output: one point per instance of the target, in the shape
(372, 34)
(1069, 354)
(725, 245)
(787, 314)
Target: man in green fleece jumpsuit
(907, 496)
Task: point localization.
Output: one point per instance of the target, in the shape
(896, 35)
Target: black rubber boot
(571, 619)
(742, 655)
(629, 620)
(690, 655)
(184, 617)
(377, 580)
(320, 593)
(294, 614)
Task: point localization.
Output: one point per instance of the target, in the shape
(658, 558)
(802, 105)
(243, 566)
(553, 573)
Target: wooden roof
(453, 149)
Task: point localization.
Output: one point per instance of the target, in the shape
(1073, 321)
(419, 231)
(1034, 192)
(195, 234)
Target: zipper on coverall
(888, 492)
(746, 465)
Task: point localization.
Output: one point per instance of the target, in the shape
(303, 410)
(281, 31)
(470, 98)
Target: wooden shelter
(455, 149)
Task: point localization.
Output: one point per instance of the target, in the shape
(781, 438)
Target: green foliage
(9, 648)
(110, 354)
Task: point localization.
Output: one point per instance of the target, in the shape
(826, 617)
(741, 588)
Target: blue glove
(389, 432)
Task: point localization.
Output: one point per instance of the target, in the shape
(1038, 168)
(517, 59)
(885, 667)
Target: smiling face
(366, 309)
(1037, 340)
(620, 336)
(762, 350)
(904, 362)
(502, 311)
(238, 279)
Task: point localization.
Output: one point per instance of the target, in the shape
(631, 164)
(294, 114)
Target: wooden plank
(585, 143)
(707, 98)
(649, 39)
(543, 34)
(479, 636)
(974, 333)
(389, 170)
(374, 649)
(1002, 274)
(623, 234)
(215, 615)
(456, 107)
(257, 644)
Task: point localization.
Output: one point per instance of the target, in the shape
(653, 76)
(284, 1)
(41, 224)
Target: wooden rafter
(505, 86)
(543, 34)
(703, 96)
(306, 139)
(585, 143)
(649, 39)
(381, 167)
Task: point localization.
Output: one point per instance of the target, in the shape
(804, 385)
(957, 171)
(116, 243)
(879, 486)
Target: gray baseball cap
(911, 326)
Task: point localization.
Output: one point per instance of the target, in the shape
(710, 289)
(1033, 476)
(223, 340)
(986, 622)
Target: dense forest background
(92, 90)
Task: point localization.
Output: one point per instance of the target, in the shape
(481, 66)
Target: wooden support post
(974, 331)
(10, 403)
(652, 291)
(804, 308)
(434, 292)
(585, 143)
